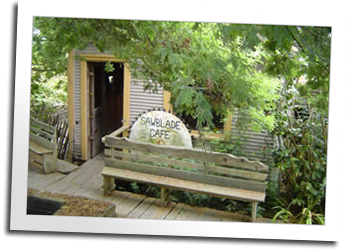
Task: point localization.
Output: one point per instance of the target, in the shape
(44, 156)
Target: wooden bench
(192, 170)
(43, 145)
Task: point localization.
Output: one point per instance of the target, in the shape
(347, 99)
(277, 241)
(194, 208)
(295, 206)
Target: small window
(191, 123)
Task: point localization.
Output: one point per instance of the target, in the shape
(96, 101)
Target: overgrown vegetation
(48, 78)
(302, 122)
(276, 76)
(301, 157)
(202, 69)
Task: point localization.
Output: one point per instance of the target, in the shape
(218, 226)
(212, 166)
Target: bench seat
(43, 145)
(39, 149)
(185, 185)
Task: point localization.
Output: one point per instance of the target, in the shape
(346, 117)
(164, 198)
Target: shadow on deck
(87, 182)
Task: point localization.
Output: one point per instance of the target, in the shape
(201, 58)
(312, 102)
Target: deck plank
(188, 213)
(41, 182)
(90, 169)
(94, 182)
(210, 215)
(63, 187)
(126, 206)
(141, 208)
(175, 211)
(156, 211)
(90, 193)
(59, 186)
(117, 197)
(87, 167)
(34, 178)
(65, 167)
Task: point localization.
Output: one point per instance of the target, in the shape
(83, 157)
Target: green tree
(300, 57)
(48, 78)
(191, 60)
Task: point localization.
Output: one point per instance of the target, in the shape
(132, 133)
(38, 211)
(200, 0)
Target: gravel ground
(73, 205)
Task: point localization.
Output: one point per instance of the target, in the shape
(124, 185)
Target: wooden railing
(117, 132)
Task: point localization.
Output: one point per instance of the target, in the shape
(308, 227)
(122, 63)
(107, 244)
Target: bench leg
(49, 163)
(109, 184)
(253, 211)
(165, 195)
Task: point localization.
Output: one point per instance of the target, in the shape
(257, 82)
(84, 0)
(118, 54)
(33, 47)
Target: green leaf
(109, 67)
(185, 97)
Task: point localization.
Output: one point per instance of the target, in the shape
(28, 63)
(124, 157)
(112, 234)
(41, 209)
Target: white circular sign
(159, 127)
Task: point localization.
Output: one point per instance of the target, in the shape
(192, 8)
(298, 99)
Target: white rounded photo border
(186, 11)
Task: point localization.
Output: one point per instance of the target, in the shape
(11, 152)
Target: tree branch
(42, 70)
(303, 49)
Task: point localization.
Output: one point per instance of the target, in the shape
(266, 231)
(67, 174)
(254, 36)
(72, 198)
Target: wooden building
(100, 102)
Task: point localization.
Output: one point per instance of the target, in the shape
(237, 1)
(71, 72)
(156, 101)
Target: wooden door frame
(85, 98)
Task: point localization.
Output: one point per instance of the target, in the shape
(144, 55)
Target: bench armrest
(117, 132)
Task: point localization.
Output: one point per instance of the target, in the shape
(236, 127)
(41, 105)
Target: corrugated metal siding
(141, 101)
(250, 144)
(77, 109)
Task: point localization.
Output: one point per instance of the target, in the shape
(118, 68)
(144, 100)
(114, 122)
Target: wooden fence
(60, 121)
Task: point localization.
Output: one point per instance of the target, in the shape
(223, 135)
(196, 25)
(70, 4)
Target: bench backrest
(43, 134)
(188, 164)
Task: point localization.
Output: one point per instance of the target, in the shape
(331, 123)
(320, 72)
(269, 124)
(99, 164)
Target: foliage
(301, 156)
(300, 56)
(206, 66)
(48, 97)
(48, 77)
(305, 216)
(203, 72)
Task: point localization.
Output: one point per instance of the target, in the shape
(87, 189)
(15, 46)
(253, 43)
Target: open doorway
(105, 103)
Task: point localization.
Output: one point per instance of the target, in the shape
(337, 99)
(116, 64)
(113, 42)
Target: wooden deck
(87, 182)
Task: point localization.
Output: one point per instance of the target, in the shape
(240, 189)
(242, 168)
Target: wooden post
(166, 101)
(109, 184)
(253, 211)
(84, 110)
(49, 163)
(228, 127)
(165, 195)
(126, 98)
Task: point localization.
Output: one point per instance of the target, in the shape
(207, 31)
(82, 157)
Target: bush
(48, 97)
(301, 158)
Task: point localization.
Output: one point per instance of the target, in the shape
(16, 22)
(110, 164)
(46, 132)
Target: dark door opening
(106, 102)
